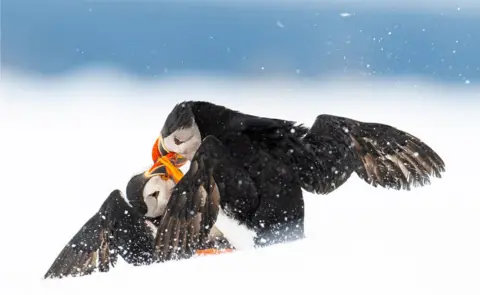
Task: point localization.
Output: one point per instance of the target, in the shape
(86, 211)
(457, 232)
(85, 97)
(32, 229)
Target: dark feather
(380, 154)
(114, 230)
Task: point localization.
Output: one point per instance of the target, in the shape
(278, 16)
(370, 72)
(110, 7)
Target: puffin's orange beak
(163, 157)
(170, 169)
(158, 149)
(155, 151)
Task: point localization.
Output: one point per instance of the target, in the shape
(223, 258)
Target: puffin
(252, 170)
(127, 227)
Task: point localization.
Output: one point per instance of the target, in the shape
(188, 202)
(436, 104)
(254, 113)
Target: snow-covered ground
(65, 144)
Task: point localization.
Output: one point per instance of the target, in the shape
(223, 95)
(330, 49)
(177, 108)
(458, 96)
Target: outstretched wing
(96, 245)
(380, 154)
(195, 201)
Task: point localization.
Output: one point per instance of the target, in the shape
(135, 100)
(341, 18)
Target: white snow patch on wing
(361, 240)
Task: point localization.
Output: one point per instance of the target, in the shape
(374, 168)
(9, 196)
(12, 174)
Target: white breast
(238, 235)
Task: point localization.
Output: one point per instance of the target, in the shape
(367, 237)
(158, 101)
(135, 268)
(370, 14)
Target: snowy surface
(65, 144)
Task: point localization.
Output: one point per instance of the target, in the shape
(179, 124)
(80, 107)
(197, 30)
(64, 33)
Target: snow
(65, 144)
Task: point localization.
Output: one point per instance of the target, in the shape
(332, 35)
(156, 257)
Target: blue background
(159, 39)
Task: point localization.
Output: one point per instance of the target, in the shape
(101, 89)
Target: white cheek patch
(169, 143)
(151, 206)
(164, 196)
(156, 206)
(190, 137)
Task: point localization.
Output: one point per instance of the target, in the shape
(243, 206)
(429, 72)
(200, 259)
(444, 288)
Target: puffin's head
(149, 192)
(180, 133)
(186, 126)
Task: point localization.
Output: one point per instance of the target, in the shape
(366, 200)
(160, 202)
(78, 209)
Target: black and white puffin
(256, 167)
(125, 228)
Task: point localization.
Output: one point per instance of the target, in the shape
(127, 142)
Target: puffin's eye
(177, 141)
(154, 194)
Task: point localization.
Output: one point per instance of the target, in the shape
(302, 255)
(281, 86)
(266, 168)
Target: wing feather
(96, 246)
(381, 155)
(86, 252)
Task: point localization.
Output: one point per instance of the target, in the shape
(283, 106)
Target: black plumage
(117, 229)
(380, 154)
(255, 167)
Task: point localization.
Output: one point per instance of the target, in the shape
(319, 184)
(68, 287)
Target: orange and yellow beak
(167, 167)
(158, 150)
(164, 158)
